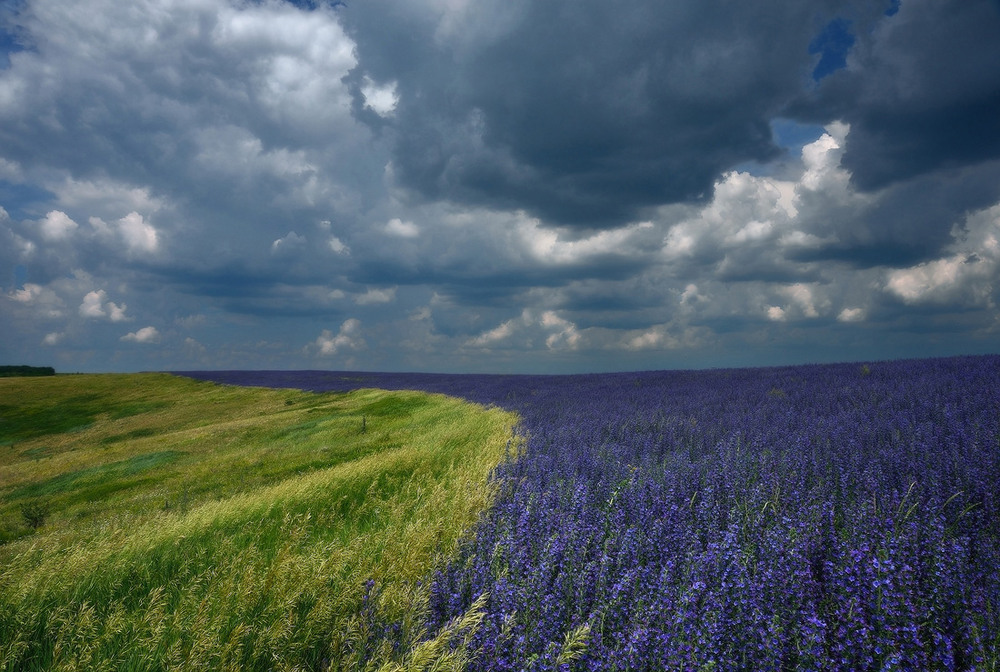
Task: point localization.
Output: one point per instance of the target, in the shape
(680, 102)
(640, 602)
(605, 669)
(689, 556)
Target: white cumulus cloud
(564, 333)
(529, 327)
(802, 296)
(144, 335)
(26, 294)
(398, 227)
(347, 337)
(665, 336)
(776, 313)
(338, 246)
(851, 315)
(966, 277)
(494, 335)
(546, 246)
(373, 296)
(57, 226)
(289, 242)
(138, 234)
(96, 305)
(381, 99)
(822, 159)
(45, 301)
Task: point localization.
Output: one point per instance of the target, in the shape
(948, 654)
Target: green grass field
(185, 525)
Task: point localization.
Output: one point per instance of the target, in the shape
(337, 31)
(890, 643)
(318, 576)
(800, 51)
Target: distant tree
(9, 371)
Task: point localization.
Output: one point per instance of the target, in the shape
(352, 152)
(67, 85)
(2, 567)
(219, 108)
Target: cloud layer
(524, 185)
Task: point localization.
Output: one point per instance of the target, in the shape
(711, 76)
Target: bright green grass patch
(197, 526)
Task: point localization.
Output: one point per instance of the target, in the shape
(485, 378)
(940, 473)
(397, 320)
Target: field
(154, 522)
(838, 517)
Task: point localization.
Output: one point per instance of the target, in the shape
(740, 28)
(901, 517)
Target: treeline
(9, 371)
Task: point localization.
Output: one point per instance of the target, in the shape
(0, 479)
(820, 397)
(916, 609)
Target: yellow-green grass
(197, 526)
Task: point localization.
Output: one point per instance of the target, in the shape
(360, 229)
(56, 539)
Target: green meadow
(151, 522)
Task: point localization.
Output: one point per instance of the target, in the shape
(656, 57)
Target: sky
(509, 186)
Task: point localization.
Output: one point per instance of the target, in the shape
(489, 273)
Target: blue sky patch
(23, 201)
(832, 45)
(793, 134)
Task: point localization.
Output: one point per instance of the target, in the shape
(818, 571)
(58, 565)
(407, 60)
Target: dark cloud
(906, 223)
(584, 112)
(619, 299)
(921, 91)
(485, 281)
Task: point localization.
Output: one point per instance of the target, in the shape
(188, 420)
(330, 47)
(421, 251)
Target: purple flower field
(827, 517)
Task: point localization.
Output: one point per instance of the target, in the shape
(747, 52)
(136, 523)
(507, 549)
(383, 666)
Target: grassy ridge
(196, 526)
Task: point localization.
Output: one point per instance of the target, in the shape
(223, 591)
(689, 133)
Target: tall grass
(194, 526)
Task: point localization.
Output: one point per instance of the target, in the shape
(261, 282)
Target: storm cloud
(583, 113)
